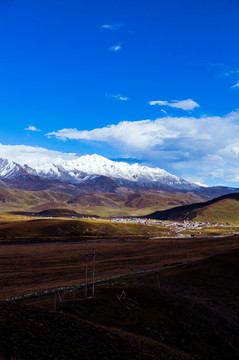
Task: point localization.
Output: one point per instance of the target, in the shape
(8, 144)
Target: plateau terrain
(106, 260)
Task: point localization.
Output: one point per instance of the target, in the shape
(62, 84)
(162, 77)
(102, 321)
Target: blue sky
(153, 80)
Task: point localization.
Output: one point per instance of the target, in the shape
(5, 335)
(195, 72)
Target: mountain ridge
(221, 209)
(89, 167)
(93, 174)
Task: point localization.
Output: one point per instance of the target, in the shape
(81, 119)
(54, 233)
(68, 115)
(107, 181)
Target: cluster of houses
(172, 225)
(191, 225)
(137, 221)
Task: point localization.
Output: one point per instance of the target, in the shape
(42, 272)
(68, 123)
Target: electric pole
(86, 266)
(55, 300)
(93, 275)
(159, 279)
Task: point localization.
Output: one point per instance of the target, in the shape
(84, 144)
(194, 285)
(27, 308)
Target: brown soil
(28, 267)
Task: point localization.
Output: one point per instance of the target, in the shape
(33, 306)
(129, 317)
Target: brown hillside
(222, 209)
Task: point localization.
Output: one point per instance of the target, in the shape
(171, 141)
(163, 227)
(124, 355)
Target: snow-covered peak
(81, 168)
(8, 169)
(99, 165)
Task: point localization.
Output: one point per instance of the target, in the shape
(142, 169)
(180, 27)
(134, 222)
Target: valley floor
(187, 312)
(183, 312)
(38, 266)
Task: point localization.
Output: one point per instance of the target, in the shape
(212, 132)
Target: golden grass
(226, 210)
(64, 227)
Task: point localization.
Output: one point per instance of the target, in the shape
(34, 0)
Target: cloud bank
(204, 148)
(207, 145)
(32, 155)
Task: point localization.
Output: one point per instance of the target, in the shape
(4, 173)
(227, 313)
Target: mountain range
(95, 173)
(89, 168)
(95, 185)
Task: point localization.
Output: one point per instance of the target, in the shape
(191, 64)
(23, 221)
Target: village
(176, 226)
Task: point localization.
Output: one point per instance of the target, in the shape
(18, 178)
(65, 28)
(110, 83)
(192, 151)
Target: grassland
(105, 205)
(63, 228)
(38, 266)
(224, 209)
(20, 227)
(193, 315)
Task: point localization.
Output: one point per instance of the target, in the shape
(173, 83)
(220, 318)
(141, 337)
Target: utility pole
(93, 275)
(55, 300)
(59, 295)
(159, 279)
(86, 266)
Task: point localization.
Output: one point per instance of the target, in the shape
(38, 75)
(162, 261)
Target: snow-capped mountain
(122, 172)
(9, 169)
(94, 173)
(88, 167)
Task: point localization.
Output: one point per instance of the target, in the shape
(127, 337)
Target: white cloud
(32, 128)
(195, 180)
(206, 146)
(23, 154)
(140, 134)
(115, 48)
(112, 26)
(229, 73)
(236, 85)
(188, 104)
(117, 97)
